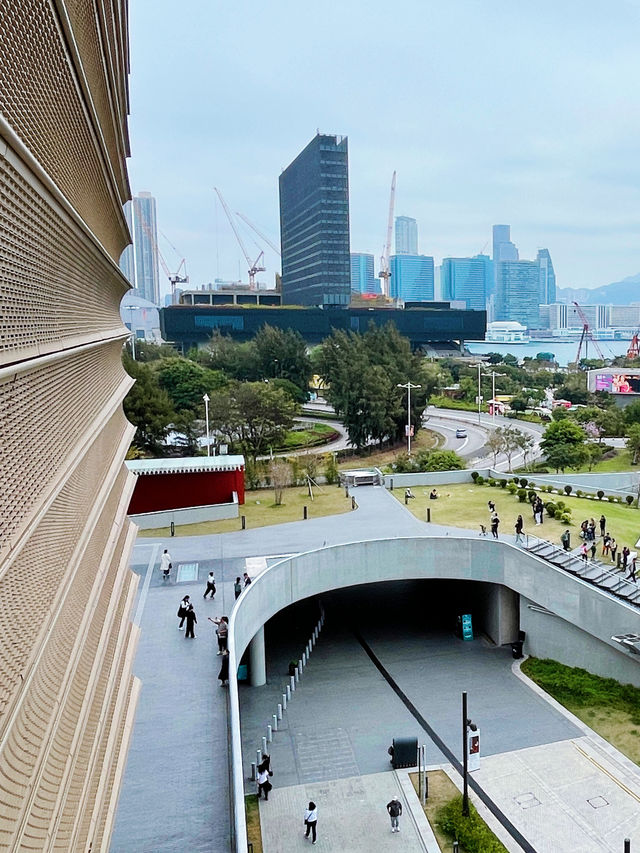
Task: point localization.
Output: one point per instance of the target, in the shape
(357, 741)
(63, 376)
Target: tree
(147, 407)
(186, 382)
(511, 441)
(519, 403)
(562, 432)
(495, 444)
(633, 442)
(148, 351)
(525, 444)
(562, 456)
(282, 354)
(593, 454)
(280, 474)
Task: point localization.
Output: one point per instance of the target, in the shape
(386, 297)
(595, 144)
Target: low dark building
(431, 323)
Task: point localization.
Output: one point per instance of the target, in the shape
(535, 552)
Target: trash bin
(405, 752)
(516, 649)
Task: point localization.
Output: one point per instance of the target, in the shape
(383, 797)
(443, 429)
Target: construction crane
(254, 267)
(634, 346)
(385, 269)
(259, 233)
(178, 277)
(586, 336)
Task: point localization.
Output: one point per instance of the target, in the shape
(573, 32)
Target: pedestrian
(182, 611)
(591, 530)
(495, 521)
(211, 586)
(603, 524)
(247, 580)
(394, 807)
(237, 588)
(310, 821)
(266, 762)
(565, 538)
(540, 506)
(633, 556)
(519, 526)
(584, 551)
(483, 530)
(222, 627)
(264, 785)
(625, 557)
(613, 548)
(223, 675)
(165, 564)
(491, 505)
(593, 550)
(190, 616)
(584, 529)
(606, 544)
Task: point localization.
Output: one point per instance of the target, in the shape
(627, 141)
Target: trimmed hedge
(471, 832)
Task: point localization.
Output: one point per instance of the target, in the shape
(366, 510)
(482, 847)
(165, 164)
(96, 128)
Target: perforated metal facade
(67, 695)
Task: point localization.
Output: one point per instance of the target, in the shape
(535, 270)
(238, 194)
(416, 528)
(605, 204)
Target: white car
(461, 433)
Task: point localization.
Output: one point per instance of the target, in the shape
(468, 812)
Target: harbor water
(563, 352)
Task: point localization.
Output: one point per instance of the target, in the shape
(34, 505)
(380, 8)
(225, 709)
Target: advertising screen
(618, 383)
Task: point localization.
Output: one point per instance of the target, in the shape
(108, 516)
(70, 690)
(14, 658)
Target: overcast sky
(491, 112)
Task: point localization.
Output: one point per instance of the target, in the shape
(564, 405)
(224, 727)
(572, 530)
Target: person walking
(247, 580)
(394, 807)
(492, 506)
(211, 586)
(237, 588)
(190, 616)
(593, 550)
(223, 675)
(264, 785)
(182, 611)
(165, 565)
(603, 524)
(222, 627)
(625, 557)
(519, 525)
(613, 549)
(633, 556)
(606, 545)
(565, 538)
(495, 522)
(584, 529)
(311, 820)
(584, 552)
(591, 530)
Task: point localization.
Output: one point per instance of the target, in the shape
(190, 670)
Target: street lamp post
(479, 366)
(466, 725)
(206, 399)
(130, 309)
(493, 375)
(409, 386)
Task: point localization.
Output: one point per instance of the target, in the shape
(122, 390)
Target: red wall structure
(155, 492)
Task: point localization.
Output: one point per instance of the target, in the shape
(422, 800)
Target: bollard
(428, 513)
(173, 529)
(346, 491)
(392, 484)
(253, 771)
(309, 647)
(275, 722)
(280, 710)
(297, 675)
(353, 502)
(627, 845)
(313, 639)
(288, 692)
(243, 518)
(304, 659)
(304, 512)
(269, 734)
(258, 757)
(456, 847)
(264, 746)
(293, 684)
(284, 701)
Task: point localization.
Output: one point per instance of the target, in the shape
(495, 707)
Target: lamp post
(493, 375)
(479, 366)
(206, 399)
(409, 386)
(466, 725)
(130, 309)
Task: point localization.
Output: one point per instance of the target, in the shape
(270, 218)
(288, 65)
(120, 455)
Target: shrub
(474, 476)
(472, 832)
(568, 489)
(512, 488)
(551, 509)
(600, 494)
(611, 499)
(503, 484)
(629, 499)
(579, 493)
(532, 495)
(565, 518)
(479, 480)
(491, 481)
(516, 480)
(532, 485)
(560, 504)
(331, 473)
(522, 495)
(523, 481)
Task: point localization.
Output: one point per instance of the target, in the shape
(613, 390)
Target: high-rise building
(314, 225)
(127, 258)
(412, 278)
(145, 238)
(67, 695)
(406, 236)
(547, 277)
(517, 292)
(467, 279)
(363, 279)
(503, 248)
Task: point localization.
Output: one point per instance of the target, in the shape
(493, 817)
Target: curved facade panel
(67, 695)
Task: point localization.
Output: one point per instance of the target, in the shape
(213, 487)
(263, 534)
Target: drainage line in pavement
(486, 799)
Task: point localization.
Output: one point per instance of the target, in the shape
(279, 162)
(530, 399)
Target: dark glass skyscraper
(467, 278)
(547, 277)
(314, 225)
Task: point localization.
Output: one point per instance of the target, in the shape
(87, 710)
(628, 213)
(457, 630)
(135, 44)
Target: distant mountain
(618, 293)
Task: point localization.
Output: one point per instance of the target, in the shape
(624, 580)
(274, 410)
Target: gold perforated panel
(59, 403)
(41, 100)
(53, 285)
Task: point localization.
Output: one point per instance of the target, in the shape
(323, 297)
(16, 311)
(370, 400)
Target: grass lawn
(619, 460)
(608, 707)
(312, 435)
(252, 810)
(425, 440)
(442, 792)
(260, 511)
(465, 505)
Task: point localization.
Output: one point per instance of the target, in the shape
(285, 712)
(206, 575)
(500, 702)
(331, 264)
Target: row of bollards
(287, 691)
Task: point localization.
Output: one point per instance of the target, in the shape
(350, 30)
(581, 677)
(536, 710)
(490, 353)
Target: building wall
(314, 225)
(66, 643)
(518, 292)
(406, 236)
(467, 279)
(412, 278)
(363, 278)
(155, 492)
(145, 235)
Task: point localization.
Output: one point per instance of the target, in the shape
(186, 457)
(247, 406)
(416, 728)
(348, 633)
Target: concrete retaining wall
(189, 515)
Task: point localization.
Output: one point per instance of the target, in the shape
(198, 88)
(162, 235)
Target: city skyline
(543, 139)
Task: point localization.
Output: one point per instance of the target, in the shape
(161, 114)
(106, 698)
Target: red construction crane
(385, 269)
(586, 336)
(634, 346)
(254, 267)
(174, 278)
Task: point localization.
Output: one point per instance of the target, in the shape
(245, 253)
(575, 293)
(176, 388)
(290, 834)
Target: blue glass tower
(363, 279)
(518, 292)
(468, 279)
(412, 278)
(314, 225)
(145, 239)
(406, 236)
(547, 277)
